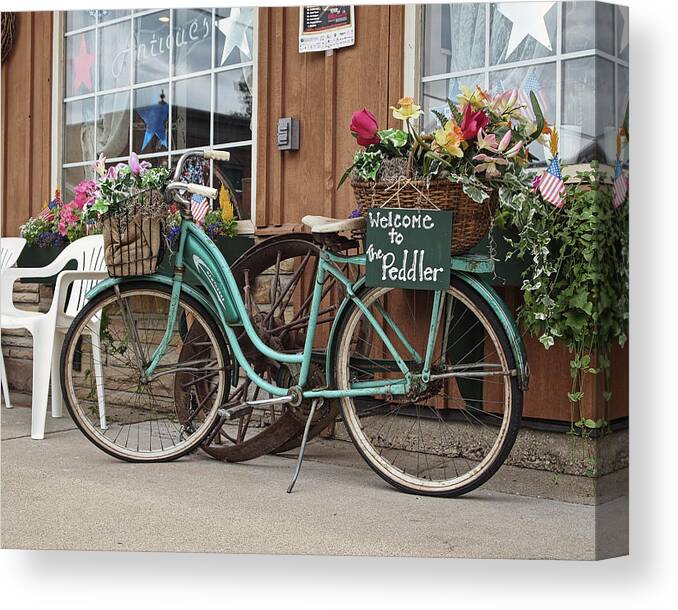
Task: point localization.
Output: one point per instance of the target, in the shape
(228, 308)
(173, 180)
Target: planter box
(33, 257)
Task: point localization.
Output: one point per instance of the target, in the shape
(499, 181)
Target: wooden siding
(322, 91)
(26, 121)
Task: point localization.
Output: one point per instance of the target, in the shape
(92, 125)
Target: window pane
(191, 113)
(234, 32)
(455, 37)
(522, 30)
(151, 113)
(192, 40)
(80, 57)
(588, 25)
(114, 64)
(237, 174)
(436, 93)
(540, 79)
(107, 15)
(588, 127)
(79, 131)
(113, 125)
(623, 32)
(71, 177)
(151, 34)
(80, 19)
(233, 106)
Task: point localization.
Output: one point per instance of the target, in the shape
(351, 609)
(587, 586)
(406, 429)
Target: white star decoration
(234, 28)
(527, 20)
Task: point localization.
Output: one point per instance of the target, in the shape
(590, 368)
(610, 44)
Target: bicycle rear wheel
(451, 435)
(108, 346)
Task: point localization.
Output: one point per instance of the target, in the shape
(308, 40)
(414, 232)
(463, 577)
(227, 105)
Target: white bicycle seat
(323, 224)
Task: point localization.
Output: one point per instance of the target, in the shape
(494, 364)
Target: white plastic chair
(49, 329)
(10, 249)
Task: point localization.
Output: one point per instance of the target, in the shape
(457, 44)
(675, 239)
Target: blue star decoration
(154, 118)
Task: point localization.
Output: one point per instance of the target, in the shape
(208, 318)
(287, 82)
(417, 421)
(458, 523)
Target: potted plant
(473, 161)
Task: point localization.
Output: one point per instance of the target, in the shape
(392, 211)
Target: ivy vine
(576, 281)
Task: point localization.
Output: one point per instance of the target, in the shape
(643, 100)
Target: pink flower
(535, 183)
(505, 141)
(364, 127)
(112, 172)
(84, 193)
(487, 140)
(473, 122)
(68, 217)
(489, 165)
(514, 150)
(138, 168)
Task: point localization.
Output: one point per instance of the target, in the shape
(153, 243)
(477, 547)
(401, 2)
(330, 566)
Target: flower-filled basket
(475, 157)
(132, 207)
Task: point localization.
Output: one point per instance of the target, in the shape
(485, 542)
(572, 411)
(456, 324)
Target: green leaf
(395, 137)
(546, 340)
(442, 119)
(575, 396)
(539, 115)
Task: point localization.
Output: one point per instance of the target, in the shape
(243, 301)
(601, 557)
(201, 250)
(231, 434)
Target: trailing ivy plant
(576, 283)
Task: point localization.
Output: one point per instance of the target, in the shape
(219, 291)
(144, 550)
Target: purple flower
(138, 168)
(355, 213)
(112, 172)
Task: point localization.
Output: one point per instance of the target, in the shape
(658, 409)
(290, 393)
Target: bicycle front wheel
(447, 436)
(105, 354)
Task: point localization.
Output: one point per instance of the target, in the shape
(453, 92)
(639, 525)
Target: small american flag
(199, 208)
(531, 85)
(621, 185)
(551, 186)
(47, 215)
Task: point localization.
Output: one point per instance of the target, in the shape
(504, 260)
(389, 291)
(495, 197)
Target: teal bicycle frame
(197, 253)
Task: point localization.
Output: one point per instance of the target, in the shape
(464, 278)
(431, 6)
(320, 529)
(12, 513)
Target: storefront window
(573, 55)
(157, 83)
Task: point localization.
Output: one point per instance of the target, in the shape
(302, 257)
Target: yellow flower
(406, 109)
(476, 97)
(225, 204)
(450, 139)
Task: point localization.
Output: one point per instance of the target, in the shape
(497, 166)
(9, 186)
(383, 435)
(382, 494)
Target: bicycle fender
(158, 279)
(491, 298)
(506, 319)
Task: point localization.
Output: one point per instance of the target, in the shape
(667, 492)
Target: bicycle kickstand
(302, 447)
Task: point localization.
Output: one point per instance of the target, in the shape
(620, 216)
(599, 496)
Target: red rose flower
(364, 127)
(473, 122)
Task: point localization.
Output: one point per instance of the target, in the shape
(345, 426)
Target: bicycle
(433, 413)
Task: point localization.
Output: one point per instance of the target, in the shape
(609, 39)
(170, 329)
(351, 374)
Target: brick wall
(17, 345)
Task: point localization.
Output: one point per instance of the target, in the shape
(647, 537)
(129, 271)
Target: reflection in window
(157, 83)
(582, 87)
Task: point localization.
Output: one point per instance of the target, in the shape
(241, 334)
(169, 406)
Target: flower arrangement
(60, 223)
(481, 143)
(117, 184)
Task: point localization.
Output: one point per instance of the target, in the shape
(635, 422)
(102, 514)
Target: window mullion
(170, 93)
(559, 63)
(488, 19)
(132, 76)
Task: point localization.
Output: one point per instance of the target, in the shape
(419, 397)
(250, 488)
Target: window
(573, 55)
(157, 83)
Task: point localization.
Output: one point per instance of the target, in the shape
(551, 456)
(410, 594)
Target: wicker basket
(133, 240)
(472, 220)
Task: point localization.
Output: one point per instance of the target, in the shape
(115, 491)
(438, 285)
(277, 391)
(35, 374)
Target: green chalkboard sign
(408, 248)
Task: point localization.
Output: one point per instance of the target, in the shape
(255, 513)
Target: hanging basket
(472, 220)
(133, 239)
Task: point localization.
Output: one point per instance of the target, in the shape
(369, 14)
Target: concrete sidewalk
(63, 493)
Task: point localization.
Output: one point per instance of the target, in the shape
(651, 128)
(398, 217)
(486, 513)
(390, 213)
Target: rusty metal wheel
(276, 280)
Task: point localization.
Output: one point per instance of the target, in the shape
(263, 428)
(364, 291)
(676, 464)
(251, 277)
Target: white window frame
(413, 43)
(246, 226)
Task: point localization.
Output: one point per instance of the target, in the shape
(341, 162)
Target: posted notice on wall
(322, 28)
(408, 248)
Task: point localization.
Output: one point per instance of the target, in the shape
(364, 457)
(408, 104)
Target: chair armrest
(68, 277)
